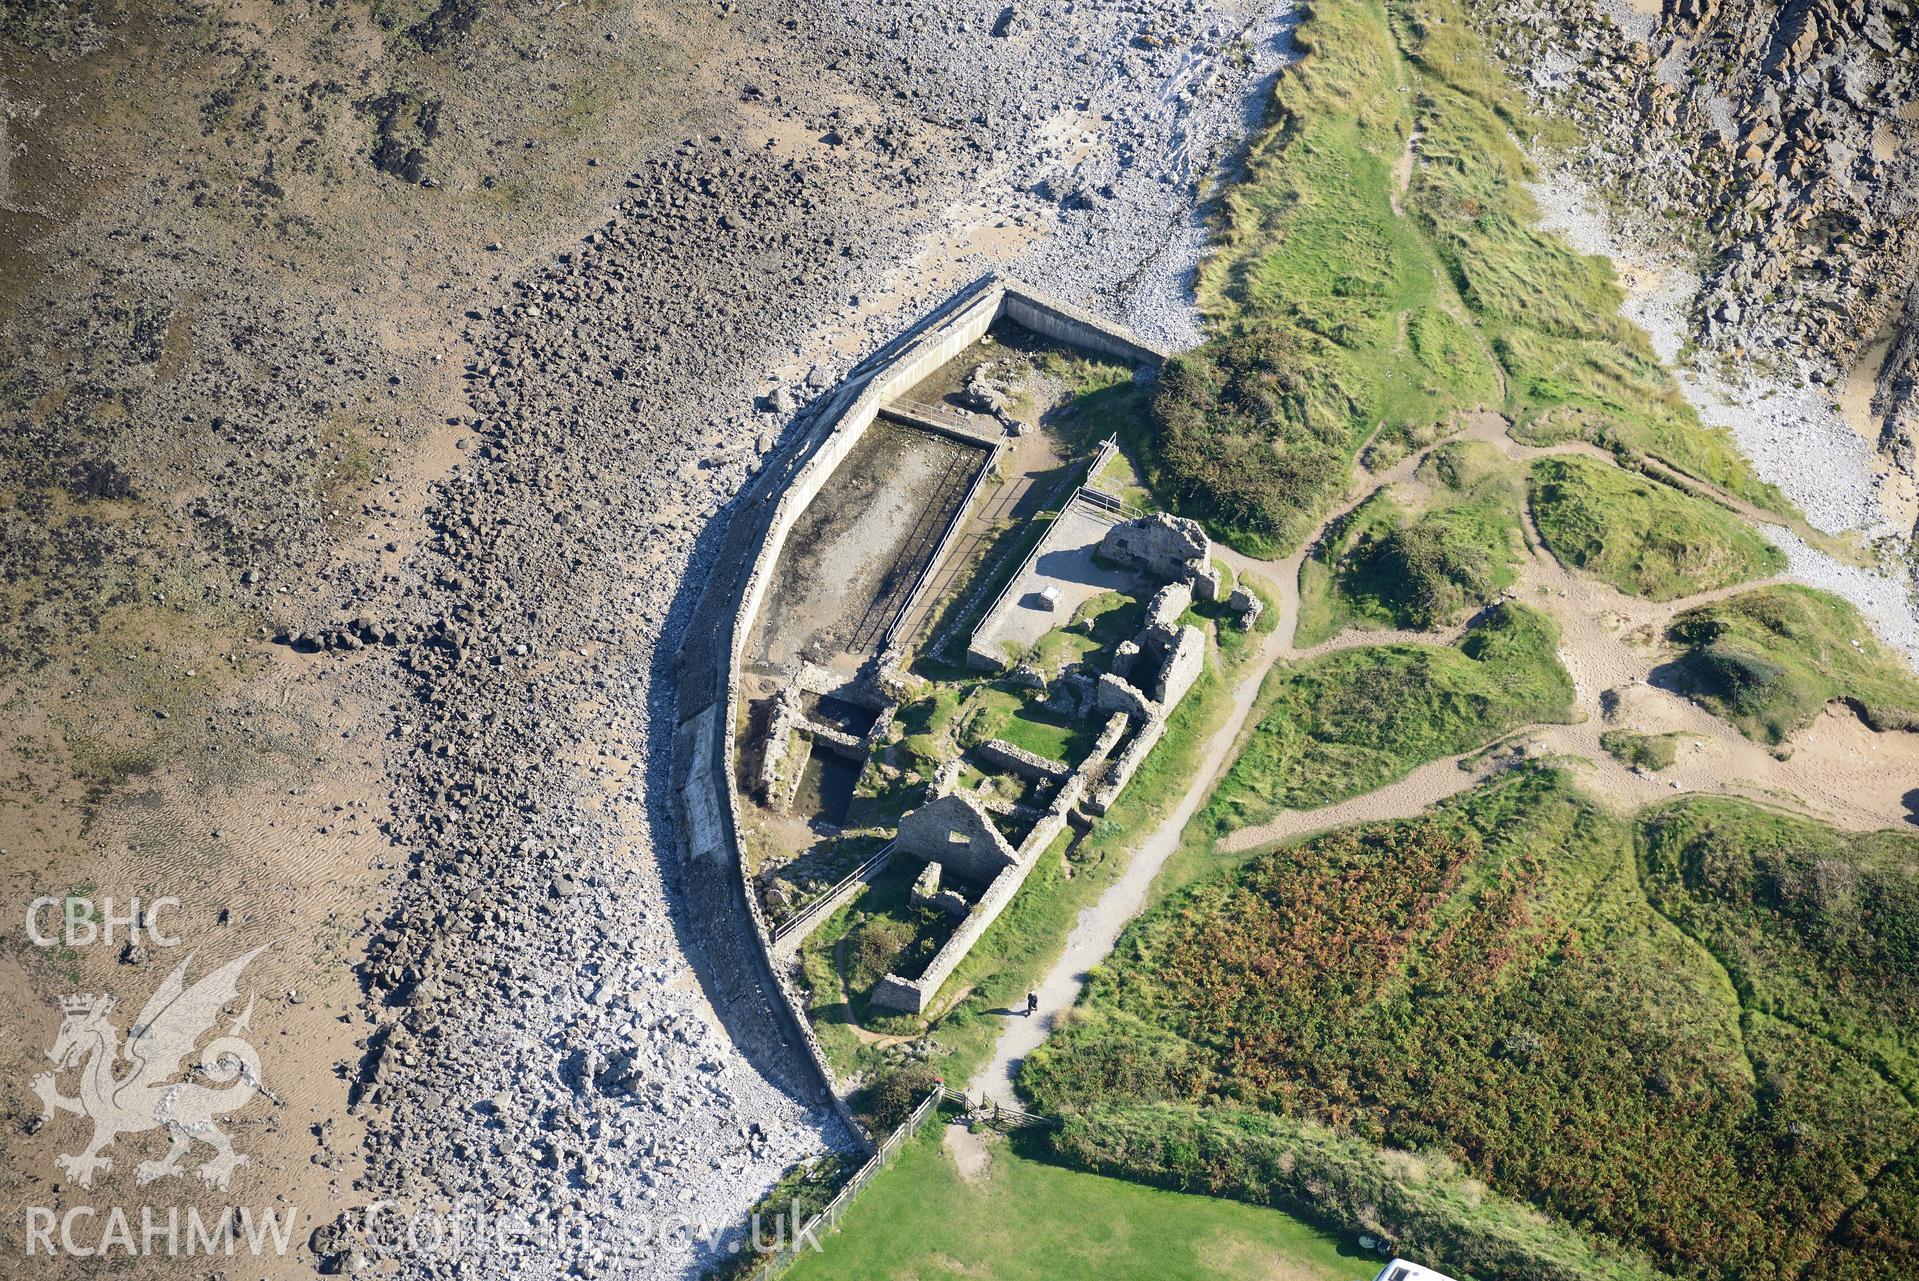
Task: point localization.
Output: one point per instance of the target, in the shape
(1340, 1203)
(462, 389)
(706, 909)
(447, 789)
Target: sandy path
(1099, 926)
(1839, 770)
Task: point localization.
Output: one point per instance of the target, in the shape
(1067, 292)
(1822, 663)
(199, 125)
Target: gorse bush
(1251, 432)
(1489, 985)
(1442, 571)
(875, 946)
(1417, 558)
(893, 1094)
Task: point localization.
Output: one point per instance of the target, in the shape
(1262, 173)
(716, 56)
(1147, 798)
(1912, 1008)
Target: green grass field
(1769, 660)
(1645, 538)
(1034, 1220)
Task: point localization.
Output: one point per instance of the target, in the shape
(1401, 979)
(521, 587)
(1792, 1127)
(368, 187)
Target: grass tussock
(1770, 660)
(1645, 538)
(1642, 751)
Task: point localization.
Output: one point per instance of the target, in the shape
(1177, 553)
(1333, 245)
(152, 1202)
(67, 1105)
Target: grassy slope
(1257, 429)
(1816, 927)
(1574, 367)
(1356, 719)
(1645, 538)
(922, 1220)
(1769, 660)
(1490, 985)
(1395, 563)
(1338, 319)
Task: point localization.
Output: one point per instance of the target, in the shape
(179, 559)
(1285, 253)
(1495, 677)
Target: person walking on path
(1032, 1003)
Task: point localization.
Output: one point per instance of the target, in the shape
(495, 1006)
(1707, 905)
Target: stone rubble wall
(1170, 548)
(1184, 661)
(1116, 695)
(1017, 760)
(914, 995)
(1248, 606)
(927, 892)
(1124, 766)
(1168, 603)
(954, 831)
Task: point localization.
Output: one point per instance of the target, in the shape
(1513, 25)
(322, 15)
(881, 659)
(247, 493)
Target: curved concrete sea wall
(757, 993)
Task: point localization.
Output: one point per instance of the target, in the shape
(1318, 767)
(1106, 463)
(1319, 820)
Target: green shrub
(1406, 561)
(1253, 432)
(1647, 751)
(892, 1095)
(1443, 573)
(874, 945)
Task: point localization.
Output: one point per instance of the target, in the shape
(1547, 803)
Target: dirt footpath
(1838, 770)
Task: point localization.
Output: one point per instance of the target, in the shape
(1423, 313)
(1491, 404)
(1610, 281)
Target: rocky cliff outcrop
(1782, 139)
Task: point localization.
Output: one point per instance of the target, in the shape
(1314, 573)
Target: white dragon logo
(144, 1098)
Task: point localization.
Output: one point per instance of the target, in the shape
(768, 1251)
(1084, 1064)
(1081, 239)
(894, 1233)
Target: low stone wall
(1066, 323)
(1018, 760)
(834, 739)
(1125, 765)
(914, 995)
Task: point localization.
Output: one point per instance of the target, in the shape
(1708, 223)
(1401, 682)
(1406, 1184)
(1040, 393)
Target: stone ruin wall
(705, 743)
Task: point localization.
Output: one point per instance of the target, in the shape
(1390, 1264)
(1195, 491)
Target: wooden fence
(806, 1238)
